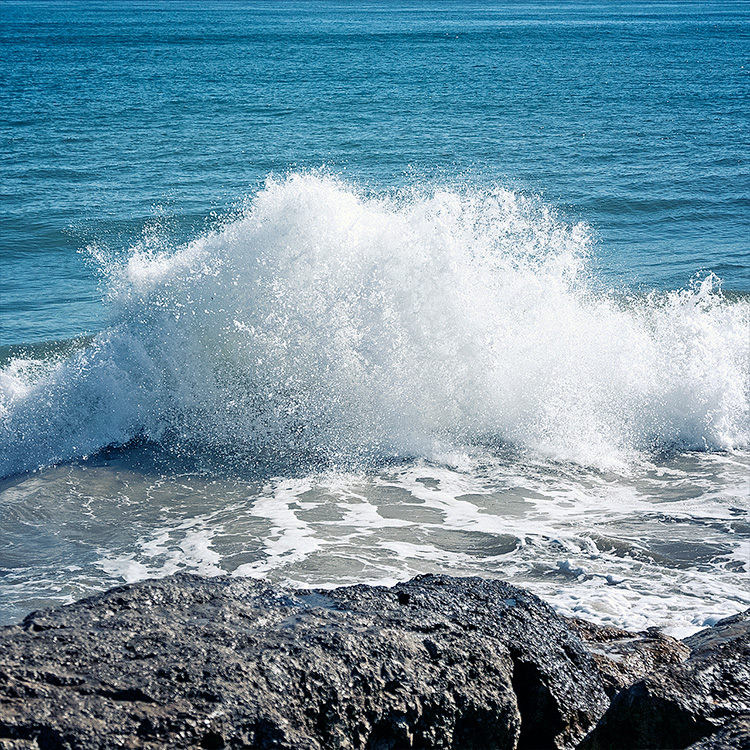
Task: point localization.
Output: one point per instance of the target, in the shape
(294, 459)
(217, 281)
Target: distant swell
(331, 324)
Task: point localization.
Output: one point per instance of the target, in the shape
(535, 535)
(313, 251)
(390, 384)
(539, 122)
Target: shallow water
(667, 546)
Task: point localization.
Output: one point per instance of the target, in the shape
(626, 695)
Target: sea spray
(327, 325)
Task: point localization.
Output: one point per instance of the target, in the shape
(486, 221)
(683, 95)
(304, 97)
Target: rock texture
(623, 657)
(734, 735)
(679, 704)
(190, 662)
(435, 662)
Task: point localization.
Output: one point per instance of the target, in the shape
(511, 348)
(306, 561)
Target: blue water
(114, 116)
(337, 292)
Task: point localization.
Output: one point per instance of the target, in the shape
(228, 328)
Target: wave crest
(328, 323)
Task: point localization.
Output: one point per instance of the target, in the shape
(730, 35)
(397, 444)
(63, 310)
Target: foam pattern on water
(328, 325)
(666, 546)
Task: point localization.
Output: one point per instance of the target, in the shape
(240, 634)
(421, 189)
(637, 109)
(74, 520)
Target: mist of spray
(330, 325)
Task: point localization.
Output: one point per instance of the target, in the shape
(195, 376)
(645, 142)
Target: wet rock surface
(677, 705)
(623, 657)
(435, 662)
(734, 735)
(186, 661)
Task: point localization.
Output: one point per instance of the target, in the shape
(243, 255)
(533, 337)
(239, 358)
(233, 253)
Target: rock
(734, 735)
(624, 657)
(679, 704)
(181, 662)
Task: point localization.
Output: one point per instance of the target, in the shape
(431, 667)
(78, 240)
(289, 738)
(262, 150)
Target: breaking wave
(330, 325)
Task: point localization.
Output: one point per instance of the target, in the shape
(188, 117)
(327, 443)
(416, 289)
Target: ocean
(341, 292)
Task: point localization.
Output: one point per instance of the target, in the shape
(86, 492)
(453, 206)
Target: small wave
(327, 322)
(42, 351)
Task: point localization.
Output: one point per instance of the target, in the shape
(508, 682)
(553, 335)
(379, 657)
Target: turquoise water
(339, 292)
(119, 116)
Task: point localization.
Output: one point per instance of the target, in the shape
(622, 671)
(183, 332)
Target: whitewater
(335, 384)
(327, 326)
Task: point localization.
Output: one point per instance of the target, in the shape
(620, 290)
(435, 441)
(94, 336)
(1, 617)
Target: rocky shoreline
(435, 662)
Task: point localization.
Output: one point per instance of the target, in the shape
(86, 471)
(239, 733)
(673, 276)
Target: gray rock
(623, 657)
(734, 735)
(435, 662)
(679, 704)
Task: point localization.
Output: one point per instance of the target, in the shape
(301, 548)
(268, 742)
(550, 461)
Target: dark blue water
(117, 116)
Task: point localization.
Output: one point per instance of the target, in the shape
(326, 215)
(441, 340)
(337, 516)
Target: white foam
(665, 547)
(289, 539)
(331, 324)
(187, 546)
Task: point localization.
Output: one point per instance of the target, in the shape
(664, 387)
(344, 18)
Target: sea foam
(326, 324)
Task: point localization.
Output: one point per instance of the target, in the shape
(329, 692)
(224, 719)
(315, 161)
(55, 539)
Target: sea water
(330, 293)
